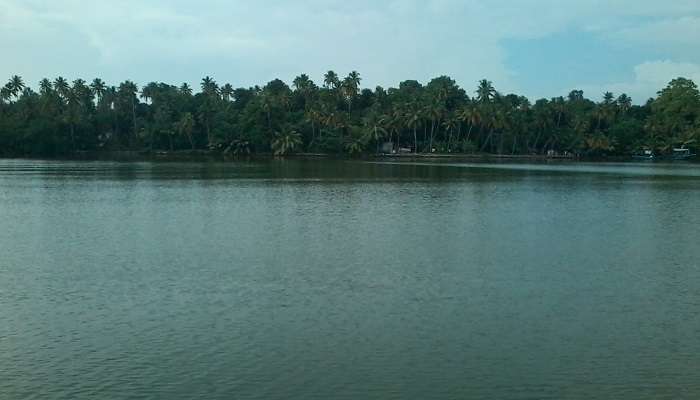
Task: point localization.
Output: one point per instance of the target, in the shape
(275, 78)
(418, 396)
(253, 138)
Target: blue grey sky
(539, 48)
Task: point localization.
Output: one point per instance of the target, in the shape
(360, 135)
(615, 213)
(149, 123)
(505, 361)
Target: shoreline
(205, 155)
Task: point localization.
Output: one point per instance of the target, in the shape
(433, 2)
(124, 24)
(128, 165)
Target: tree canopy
(337, 116)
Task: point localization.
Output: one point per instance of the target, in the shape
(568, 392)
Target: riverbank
(206, 155)
(199, 155)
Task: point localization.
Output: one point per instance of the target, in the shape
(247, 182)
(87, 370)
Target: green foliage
(338, 116)
(185, 127)
(675, 114)
(285, 142)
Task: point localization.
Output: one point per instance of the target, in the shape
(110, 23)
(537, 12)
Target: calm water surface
(349, 280)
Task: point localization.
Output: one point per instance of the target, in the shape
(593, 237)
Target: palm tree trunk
(376, 138)
(537, 139)
(415, 139)
(208, 134)
(133, 117)
(487, 141)
(545, 145)
(115, 128)
(500, 142)
(72, 136)
(480, 137)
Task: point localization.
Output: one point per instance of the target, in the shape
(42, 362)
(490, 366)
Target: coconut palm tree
(285, 141)
(471, 115)
(185, 127)
(209, 86)
(73, 100)
(354, 79)
(45, 87)
(148, 91)
(395, 123)
(313, 116)
(226, 92)
(350, 87)
(542, 122)
(98, 88)
(267, 103)
(434, 111)
(210, 90)
(374, 129)
(15, 86)
(302, 83)
(608, 98)
(82, 91)
(62, 87)
(495, 120)
(412, 117)
(624, 102)
(307, 88)
(485, 92)
(127, 94)
(185, 89)
(355, 145)
(331, 80)
(559, 106)
(5, 94)
(450, 124)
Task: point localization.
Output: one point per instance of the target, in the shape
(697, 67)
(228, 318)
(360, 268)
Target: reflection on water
(347, 279)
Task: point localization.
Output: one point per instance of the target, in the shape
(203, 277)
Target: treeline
(337, 117)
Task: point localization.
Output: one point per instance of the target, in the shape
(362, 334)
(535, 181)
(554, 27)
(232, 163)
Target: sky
(538, 48)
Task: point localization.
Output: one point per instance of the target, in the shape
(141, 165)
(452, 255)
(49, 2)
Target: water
(349, 280)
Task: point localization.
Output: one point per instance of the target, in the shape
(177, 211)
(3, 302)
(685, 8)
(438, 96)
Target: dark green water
(349, 280)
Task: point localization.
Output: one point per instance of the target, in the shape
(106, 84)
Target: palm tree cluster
(337, 117)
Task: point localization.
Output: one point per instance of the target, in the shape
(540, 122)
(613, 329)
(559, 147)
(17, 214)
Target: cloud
(246, 43)
(649, 78)
(679, 35)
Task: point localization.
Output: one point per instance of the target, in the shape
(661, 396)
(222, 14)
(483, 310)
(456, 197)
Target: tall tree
(127, 96)
(210, 93)
(185, 127)
(331, 80)
(15, 86)
(485, 92)
(350, 87)
(98, 88)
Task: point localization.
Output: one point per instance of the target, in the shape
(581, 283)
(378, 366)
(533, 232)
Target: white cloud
(246, 43)
(677, 37)
(649, 78)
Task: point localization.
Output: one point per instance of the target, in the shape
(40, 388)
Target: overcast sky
(540, 48)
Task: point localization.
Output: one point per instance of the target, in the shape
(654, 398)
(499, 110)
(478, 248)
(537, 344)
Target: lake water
(349, 280)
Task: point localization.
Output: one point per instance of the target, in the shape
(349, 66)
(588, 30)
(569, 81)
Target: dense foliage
(339, 116)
